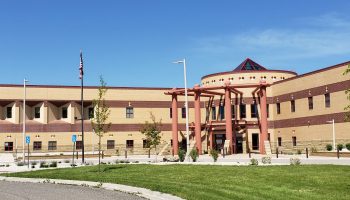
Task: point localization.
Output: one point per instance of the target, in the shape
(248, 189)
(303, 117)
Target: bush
(329, 147)
(266, 160)
(194, 154)
(20, 164)
(295, 161)
(214, 154)
(182, 154)
(66, 161)
(53, 164)
(33, 163)
(347, 145)
(116, 161)
(254, 161)
(298, 151)
(340, 147)
(43, 165)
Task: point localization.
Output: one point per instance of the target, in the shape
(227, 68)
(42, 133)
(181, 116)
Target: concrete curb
(142, 192)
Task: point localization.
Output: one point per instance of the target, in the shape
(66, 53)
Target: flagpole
(82, 106)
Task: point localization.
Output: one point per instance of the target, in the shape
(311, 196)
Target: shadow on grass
(106, 168)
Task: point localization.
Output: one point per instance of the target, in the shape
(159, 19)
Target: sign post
(74, 139)
(27, 142)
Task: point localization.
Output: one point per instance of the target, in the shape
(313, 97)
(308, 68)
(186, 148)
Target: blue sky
(134, 42)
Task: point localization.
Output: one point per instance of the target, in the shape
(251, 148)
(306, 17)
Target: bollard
(172, 152)
(223, 152)
(307, 153)
(103, 154)
(338, 153)
(149, 153)
(250, 155)
(126, 153)
(226, 150)
(77, 155)
(276, 152)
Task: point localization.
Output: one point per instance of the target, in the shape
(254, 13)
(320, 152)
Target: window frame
(8, 147)
(51, 147)
(129, 144)
(327, 100)
(110, 144)
(278, 108)
(242, 114)
(254, 107)
(129, 112)
(294, 141)
(36, 113)
(64, 113)
(183, 112)
(9, 112)
(91, 112)
(279, 141)
(292, 106)
(213, 113)
(221, 112)
(310, 101)
(37, 145)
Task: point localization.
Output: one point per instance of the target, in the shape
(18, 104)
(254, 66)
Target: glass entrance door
(219, 141)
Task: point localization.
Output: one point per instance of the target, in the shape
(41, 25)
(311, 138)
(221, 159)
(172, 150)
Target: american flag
(81, 70)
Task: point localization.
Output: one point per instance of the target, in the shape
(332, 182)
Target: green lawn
(219, 182)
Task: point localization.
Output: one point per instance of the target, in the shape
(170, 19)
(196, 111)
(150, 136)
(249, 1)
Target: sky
(134, 42)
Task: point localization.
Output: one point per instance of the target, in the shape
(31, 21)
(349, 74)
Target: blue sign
(74, 138)
(27, 139)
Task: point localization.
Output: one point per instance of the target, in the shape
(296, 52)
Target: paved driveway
(40, 191)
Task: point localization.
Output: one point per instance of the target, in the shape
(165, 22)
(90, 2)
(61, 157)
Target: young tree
(152, 132)
(347, 92)
(99, 122)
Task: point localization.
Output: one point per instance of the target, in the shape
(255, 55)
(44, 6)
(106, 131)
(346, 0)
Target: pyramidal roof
(249, 65)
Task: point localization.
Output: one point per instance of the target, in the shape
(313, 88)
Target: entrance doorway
(239, 144)
(183, 144)
(219, 141)
(255, 141)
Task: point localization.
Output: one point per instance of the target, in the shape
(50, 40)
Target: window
(213, 113)
(78, 145)
(327, 100)
(222, 112)
(8, 146)
(278, 108)
(110, 144)
(36, 145)
(171, 113)
(52, 145)
(269, 137)
(91, 112)
(242, 109)
(311, 103)
(292, 105)
(253, 111)
(294, 140)
(145, 144)
(233, 111)
(64, 112)
(268, 110)
(130, 144)
(129, 112)
(279, 141)
(9, 112)
(37, 112)
(183, 112)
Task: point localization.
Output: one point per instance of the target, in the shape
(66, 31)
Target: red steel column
(228, 118)
(197, 119)
(175, 124)
(263, 120)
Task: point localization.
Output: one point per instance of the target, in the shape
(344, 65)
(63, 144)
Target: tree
(347, 92)
(152, 132)
(99, 122)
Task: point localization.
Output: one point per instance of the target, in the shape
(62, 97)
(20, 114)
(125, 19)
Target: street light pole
(24, 116)
(335, 148)
(186, 104)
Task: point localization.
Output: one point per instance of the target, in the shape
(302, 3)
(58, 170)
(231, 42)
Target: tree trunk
(99, 153)
(155, 149)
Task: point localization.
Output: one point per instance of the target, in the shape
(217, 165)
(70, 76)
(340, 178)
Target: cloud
(321, 36)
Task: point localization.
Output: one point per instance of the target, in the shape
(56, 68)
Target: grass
(218, 182)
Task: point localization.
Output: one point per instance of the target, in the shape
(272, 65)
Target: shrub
(254, 161)
(53, 164)
(266, 160)
(20, 164)
(329, 147)
(43, 165)
(116, 161)
(313, 149)
(194, 154)
(295, 161)
(347, 145)
(182, 154)
(33, 163)
(66, 161)
(7, 165)
(340, 147)
(214, 154)
(298, 151)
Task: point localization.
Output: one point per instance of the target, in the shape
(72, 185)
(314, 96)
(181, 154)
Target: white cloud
(326, 35)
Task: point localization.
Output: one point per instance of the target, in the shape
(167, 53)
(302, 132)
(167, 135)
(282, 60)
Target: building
(251, 107)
